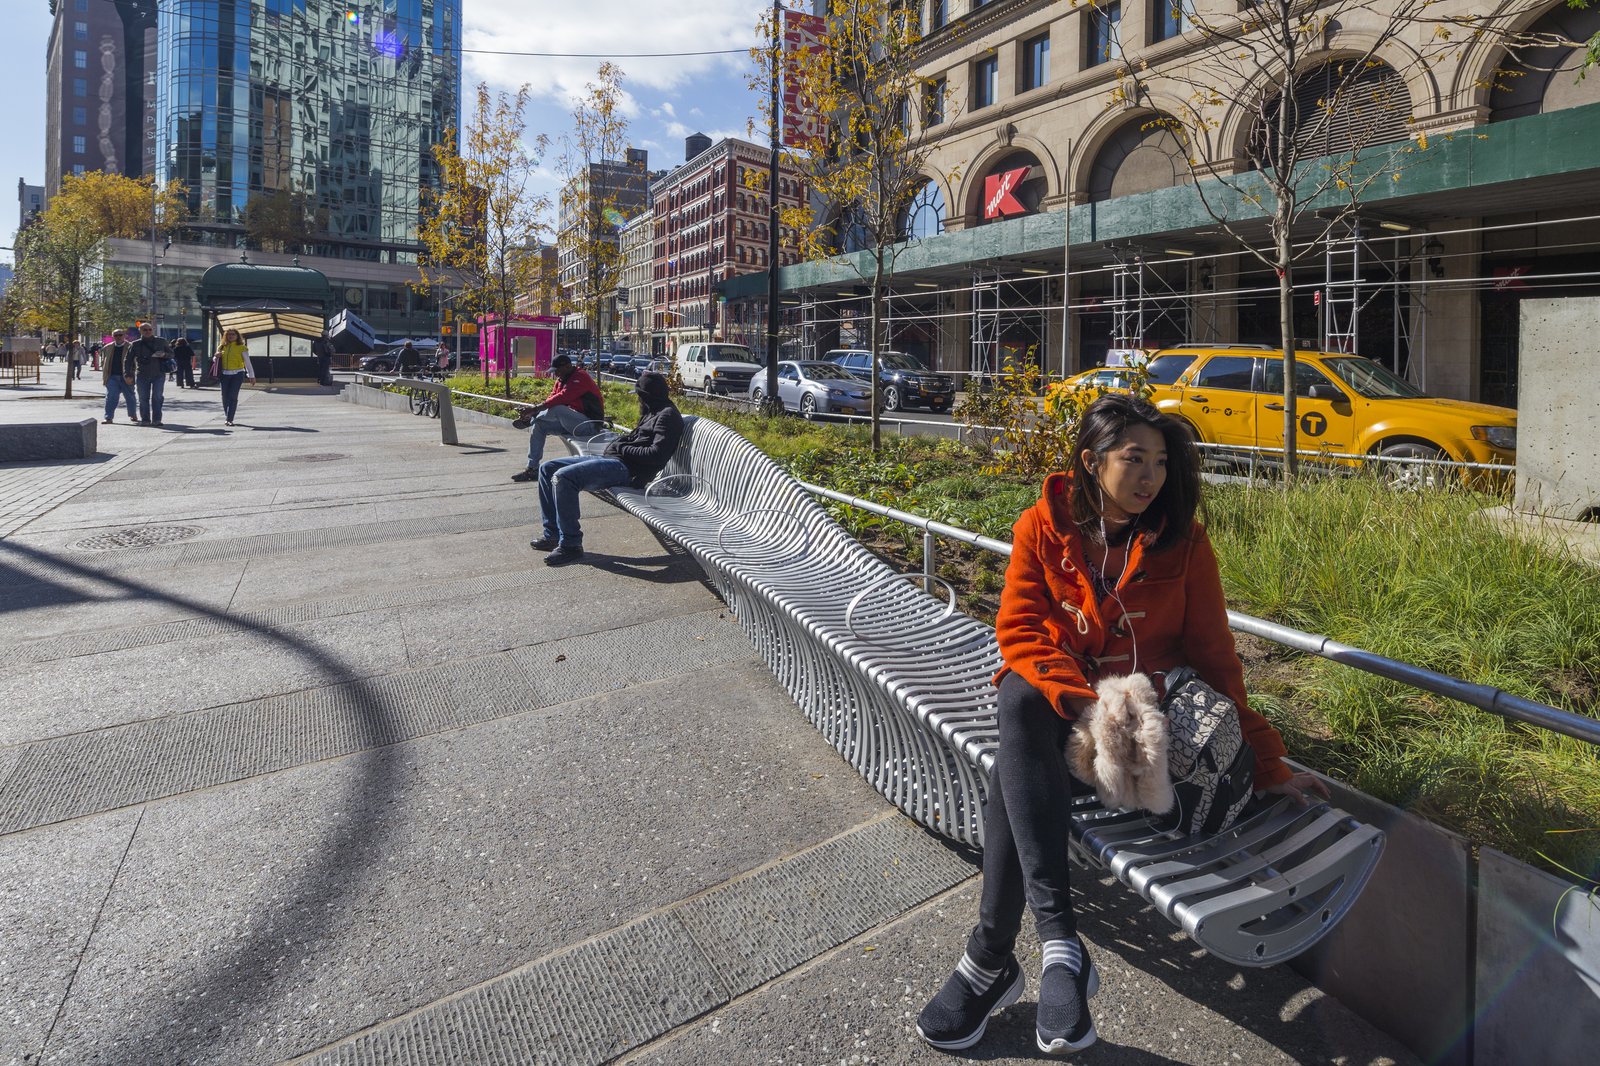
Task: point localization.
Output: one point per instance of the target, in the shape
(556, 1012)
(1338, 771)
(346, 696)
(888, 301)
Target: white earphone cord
(1113, 589)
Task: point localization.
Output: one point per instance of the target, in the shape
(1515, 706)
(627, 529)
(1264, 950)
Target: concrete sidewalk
(304, 755)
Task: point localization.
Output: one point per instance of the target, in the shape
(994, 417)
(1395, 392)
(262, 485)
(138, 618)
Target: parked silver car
(814, 388)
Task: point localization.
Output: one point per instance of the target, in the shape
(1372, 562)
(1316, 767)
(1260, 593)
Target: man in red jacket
(575, 401)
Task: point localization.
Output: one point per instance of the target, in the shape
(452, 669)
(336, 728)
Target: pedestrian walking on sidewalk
(1111, 577)
(116, 371)
(184, 356)
(231, 367)
(575, 400)
(322, 348)
(630, 460)
(75, 354)
(150, 354)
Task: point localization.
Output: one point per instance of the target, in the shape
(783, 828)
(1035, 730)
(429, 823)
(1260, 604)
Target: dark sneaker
(543, 544)
(530, 474)
(563, 555)
(1064, 1024)
(957, 1017)
(523, 420)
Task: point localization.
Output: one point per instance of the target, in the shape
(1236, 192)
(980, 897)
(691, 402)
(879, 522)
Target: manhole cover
(138, 537)
(322, 457)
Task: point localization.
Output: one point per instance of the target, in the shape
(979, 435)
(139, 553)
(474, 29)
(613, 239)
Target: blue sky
(669, 98)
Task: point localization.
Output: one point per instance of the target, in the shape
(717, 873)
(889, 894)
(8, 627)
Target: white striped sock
(1068, 953)
(979, 979)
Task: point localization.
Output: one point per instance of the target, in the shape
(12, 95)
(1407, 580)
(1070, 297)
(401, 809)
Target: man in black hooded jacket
(630, 460)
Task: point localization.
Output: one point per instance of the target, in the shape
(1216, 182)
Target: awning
(261, 300)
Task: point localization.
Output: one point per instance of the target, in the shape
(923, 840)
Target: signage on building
(802, 125)
(999, 193)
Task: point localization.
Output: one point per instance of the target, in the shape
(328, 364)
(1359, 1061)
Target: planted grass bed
(1420, 577)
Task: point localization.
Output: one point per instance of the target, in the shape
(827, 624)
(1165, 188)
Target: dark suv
(902, 381)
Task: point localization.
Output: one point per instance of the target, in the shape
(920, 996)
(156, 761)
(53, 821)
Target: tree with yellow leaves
(64, 279)
(602, 183)
(479, 226)
(862, 78)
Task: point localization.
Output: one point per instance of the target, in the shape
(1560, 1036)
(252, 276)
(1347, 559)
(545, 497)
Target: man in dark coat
(184, 355)
(322, 348)
(149, 354)
(630, 460)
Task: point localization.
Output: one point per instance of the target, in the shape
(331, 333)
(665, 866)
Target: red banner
(802, 126)
(998, 201)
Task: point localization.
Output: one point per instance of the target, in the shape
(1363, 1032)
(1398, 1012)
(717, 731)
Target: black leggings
(1025, 827)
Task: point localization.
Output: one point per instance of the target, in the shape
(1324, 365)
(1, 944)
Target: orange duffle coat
(1060, 640)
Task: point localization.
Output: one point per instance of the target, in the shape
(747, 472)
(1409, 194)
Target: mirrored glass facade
(340, 102)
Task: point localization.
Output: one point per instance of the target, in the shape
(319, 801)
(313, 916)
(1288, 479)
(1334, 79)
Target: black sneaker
(530, 474)
(543, 544)
(1064, 1024)
(523, 420)
(957, 1017)
(563, 555)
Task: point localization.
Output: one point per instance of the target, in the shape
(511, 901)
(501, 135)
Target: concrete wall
(1538, 971)
(1558, 411)
(39, 441)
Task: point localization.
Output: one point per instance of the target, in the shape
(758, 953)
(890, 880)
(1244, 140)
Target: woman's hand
(1299, 786)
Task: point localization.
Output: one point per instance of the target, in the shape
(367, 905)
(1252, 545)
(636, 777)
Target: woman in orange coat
(1110, 575)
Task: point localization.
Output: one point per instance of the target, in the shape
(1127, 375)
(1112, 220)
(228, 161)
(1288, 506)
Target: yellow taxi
(1345, 405)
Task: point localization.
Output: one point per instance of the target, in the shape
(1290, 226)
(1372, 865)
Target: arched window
(925, 213)
(1013, 185)
(1340, 106)
(1534, 80)
(1141, 156)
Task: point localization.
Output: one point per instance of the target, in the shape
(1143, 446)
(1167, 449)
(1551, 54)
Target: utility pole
(772, 402)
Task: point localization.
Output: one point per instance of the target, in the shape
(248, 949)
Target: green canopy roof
(258, 300)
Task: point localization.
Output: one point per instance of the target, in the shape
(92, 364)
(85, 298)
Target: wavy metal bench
(899, 683)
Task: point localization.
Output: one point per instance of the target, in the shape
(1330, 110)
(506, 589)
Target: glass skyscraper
(334, 105)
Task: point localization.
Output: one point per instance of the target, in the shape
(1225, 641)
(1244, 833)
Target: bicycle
(424, 402)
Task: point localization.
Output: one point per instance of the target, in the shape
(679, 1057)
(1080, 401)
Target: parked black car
(406, 360)
(902, 381)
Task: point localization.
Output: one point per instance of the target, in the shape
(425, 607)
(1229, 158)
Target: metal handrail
(1485, 697)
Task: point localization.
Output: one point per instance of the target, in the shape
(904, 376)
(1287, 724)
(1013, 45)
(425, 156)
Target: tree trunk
(1291, 458)
(876, 344)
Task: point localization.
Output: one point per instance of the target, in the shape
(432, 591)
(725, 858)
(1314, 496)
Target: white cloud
(606, 28)
(711, 89)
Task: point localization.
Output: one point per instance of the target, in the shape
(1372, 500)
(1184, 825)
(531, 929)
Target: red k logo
(998, 201)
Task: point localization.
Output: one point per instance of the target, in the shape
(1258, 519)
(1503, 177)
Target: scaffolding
(1373, 284)
(1355, 274)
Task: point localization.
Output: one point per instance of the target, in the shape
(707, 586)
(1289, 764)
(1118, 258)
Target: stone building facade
(1039, 169)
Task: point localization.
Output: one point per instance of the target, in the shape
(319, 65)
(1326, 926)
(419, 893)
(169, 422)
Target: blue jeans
(120, 388)
(560, 481)
(230, 385)
(560, 420)
(150, 393)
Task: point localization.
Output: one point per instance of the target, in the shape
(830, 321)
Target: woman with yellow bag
(230, 366)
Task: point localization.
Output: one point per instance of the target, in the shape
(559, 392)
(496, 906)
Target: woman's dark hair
(1105, 422)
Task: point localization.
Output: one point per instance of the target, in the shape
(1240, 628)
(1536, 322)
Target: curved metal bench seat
(901, 687)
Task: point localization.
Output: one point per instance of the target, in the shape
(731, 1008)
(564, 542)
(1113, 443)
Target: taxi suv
(1345, 404)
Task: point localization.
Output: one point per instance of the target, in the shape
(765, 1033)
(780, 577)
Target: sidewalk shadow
(244, 979)
(275, 429)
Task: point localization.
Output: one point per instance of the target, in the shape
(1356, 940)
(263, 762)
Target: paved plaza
(305, 756)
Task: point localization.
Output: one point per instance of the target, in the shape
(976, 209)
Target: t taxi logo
(998, 200)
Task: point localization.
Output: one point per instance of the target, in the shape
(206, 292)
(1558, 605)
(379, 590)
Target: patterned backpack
(1211, 766)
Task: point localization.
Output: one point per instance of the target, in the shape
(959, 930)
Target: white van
(717, 368)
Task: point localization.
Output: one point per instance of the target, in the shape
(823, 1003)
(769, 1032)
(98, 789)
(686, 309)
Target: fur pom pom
(1120, 747)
